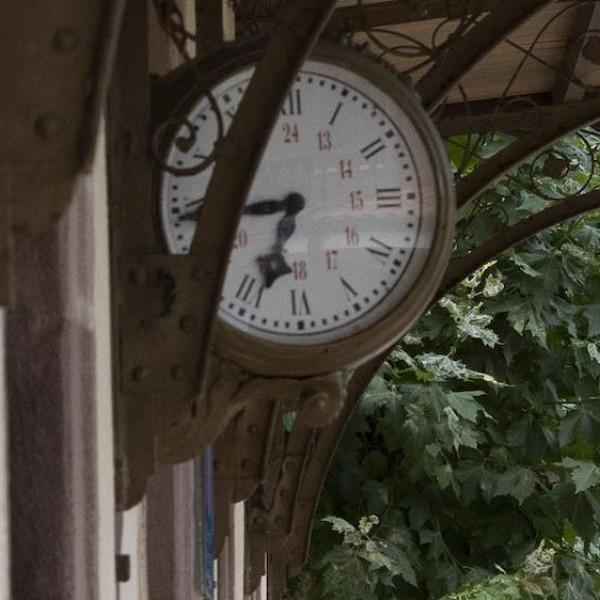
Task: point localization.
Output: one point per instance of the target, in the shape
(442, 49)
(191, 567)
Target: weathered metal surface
(379, 14)
(349, 16)
(55, 58)
(159, 303)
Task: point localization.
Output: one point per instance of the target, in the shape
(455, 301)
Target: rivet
(65, 40)
(198, 274)
(252, 429)
(259, 521)
(139, 373)
(48, 126)
(318, 401)
(246, 463)
(179, 372)
(187, 324)
(137, 276)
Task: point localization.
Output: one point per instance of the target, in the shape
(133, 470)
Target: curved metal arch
(578, 116)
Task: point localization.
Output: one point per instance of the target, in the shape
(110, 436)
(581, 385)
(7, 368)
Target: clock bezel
(270, 358)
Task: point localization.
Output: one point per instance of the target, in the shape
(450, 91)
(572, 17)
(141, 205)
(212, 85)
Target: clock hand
(272, 266)
(265, 207)
(285, 230)
(292, 204)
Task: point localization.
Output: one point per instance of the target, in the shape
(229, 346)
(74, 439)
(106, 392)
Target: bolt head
(179, 372)
(138, 276)
(139, 373)
(187, 324)
(65, 40)
(48, 127)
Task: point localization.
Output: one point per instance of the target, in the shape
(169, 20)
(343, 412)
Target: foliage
(479, 437)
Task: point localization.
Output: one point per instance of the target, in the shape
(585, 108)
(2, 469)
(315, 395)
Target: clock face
(341, 217)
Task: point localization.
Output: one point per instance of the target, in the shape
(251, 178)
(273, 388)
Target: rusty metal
(376, 14)
(159, 294)
(56, 60)
(133, 236)
(516, 116)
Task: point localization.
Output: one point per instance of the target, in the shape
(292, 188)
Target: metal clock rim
(273, 359)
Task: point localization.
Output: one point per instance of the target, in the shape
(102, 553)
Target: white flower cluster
(366, 523)
(540, 561)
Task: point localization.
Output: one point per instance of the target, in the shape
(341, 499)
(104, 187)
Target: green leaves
(584, 473)
(592, 314)
(363, 565)
(480, 435)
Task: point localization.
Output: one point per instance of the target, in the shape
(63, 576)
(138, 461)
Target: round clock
(347, 229)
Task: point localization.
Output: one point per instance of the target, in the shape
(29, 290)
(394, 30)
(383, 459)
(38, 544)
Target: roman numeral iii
(388, 198)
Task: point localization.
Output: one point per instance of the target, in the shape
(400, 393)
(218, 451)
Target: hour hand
(292, 204)
(272, 266)
(265, 207)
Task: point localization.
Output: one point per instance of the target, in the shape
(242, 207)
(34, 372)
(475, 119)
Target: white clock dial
(341, 217)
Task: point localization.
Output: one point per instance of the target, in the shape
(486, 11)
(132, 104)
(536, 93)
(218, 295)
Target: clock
(347, 229)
